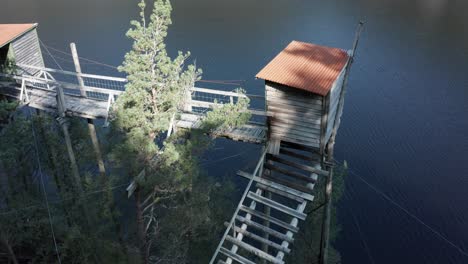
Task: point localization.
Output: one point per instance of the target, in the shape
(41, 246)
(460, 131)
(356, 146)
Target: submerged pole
(329, 187)
(91, 127)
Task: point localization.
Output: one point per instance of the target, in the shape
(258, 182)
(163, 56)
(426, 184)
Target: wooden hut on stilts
(304, 91)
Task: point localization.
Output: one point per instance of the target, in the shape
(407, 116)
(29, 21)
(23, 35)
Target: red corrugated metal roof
(306, 66)
(9, 32)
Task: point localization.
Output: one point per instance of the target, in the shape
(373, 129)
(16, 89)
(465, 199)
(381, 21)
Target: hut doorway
(6, 59)
(4, 54)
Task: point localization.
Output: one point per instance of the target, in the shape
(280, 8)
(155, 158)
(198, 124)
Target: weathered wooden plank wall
(334, 98)
(27, 51)
(294, 115)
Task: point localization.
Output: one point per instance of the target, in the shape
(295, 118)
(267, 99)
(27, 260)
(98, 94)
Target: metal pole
(329, 187)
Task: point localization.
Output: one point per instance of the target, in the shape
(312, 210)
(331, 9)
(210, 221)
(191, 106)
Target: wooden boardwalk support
(91, 127)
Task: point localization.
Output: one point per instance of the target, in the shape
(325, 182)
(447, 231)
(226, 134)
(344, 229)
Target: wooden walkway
(40, 92)
(250, 132)
(267, 217)
(46, 100)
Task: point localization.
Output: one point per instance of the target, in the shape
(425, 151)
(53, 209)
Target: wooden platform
(45, 100)
(250, 132)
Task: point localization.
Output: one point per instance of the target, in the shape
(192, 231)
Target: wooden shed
(303, 85)
(19, 44)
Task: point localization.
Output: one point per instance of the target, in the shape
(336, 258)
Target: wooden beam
(299, 147)
(324, 121)
(270, 219)
(76, 61)
(235, 257)
(284, 190)
(257, 252)
(286, 182)
(275, 205)
(263, 228)
(102, 77)
(96, 147)
(91, 127)
(299, 156)
(220, 92)
(296, 165)
(289, 173)
(270, 190)
(259, 238)
(296, 140)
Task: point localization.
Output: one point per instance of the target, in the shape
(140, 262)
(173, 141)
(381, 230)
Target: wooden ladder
(267, 217)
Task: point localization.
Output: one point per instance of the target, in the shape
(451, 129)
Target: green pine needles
(157, 83)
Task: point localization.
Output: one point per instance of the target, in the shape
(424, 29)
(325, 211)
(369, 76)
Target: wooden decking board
(252, 132)
(46, 100)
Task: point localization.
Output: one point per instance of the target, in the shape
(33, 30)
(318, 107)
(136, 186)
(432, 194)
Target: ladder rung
(289, 173)
(270, 219)
(282, 188)
(291, 184)
(298, 155)
(296, 165)
(259, 238)
(264, 229)
(276, 205)
(299, 147)
(234, 256)
(257, 252)
(279, 192)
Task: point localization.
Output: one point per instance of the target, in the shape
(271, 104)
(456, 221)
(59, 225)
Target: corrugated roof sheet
(306, 66)
(9, 32)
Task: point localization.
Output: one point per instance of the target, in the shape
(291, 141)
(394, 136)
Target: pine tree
(171, 194)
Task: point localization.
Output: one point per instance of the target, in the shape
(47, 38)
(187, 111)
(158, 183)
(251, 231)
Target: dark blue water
(405, 126)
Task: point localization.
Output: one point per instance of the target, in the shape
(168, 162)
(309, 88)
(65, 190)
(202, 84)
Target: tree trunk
(141, 234)
(10, 250)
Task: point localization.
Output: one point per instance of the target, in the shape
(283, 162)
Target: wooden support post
(329, 187)
(61, 107)
(91, 127)
(97, 149)
(266, 223)
(71, 154)
(76, 61)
